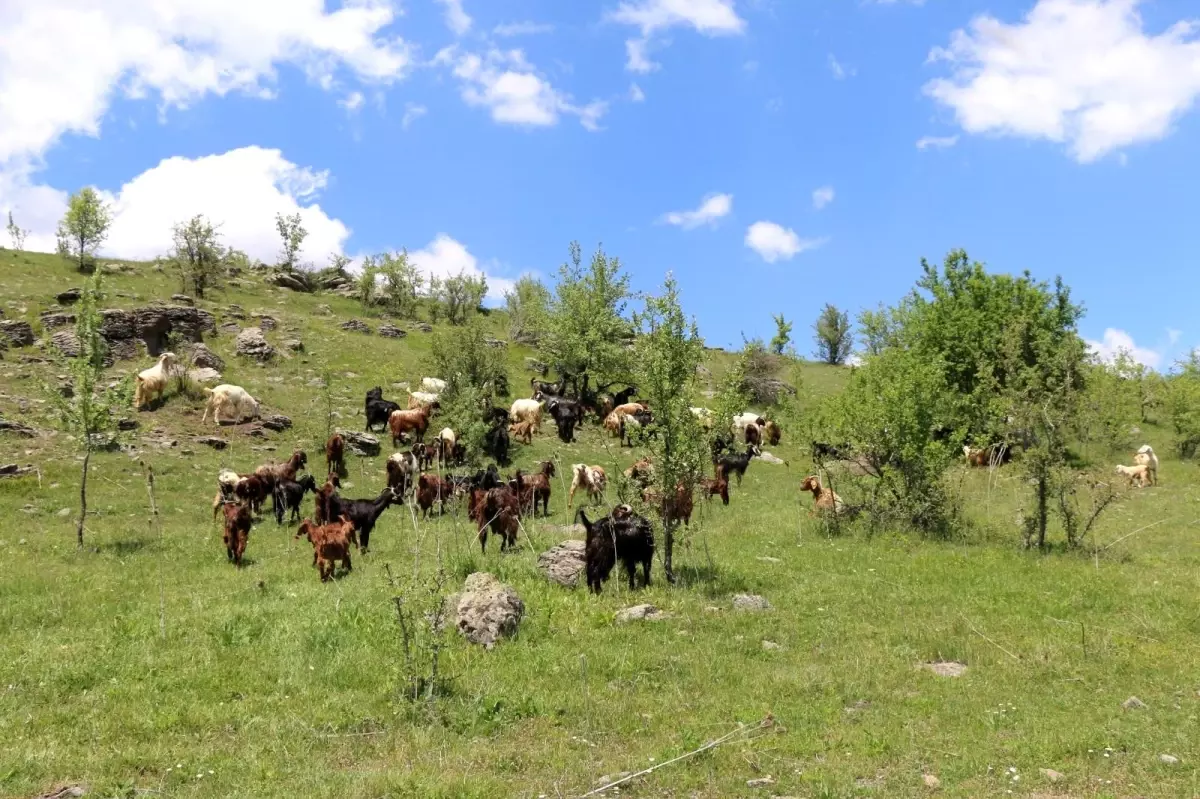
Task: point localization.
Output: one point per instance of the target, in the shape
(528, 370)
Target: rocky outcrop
(52, 320)
(276, 422)
(69, 297)
(251, 343)
(204, 358)
(487, 610)
(289, 280)
(152, 325)
(362, 444)
(16, 428)
(266, 322)
(356, 325)
(17, 332)
(391, 331)
(564, 563)
(66, 342)
(183, 299)
(293, 345)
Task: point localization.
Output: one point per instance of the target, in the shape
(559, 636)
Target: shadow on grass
(125, 547)
(712, 580)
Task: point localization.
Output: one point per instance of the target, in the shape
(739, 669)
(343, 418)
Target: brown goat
(430, 489)
(678, 506)
(522, 431)
(335, 454)
(641, 472)
(716, 487)
(772, 432)
(536, 487)
(501, 513)
(237, 530)
(321, 513)
(330, 542)
(824, 499)
(412, 421)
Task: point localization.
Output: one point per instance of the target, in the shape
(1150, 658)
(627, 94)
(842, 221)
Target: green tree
(1182, 401)
(528, 303)
(292, 233)
(875, 329)
(832, 336)
(667, 352)
(458, 297)
(472, 371)
(586, 332)
(367, 282)
(16, 233)
(84, 227)
(783, 335)
(90, 413)
(1111, 405)
(401, 282)
(198, 254)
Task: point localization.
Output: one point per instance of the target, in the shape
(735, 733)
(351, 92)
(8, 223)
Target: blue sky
(775, 155)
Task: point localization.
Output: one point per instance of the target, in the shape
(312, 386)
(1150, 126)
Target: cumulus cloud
(822, 197)
(446, 257)
(1116, 341)
(63, 61)
(712, 208)
(1081, 72)
(936, 142)
(774, 242)
(708, 17)
(505, 83)
(456, 18)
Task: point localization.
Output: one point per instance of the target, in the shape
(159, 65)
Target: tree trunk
(668, 547)
(87, 456)
(1042, 511)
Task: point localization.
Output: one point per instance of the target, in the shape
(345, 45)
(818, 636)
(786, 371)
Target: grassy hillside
(146, 663)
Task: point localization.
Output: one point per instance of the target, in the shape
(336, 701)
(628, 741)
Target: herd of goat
(423, 473)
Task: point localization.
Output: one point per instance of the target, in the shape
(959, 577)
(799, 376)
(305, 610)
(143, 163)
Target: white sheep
(421, 399)
(433, 385)
(449, 441)
(233, 401)
(527, 410)
(1145, 457)
(1138, 475)
(742, 419)
(150, 383)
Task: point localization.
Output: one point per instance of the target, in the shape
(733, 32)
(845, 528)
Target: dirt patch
(945, 668)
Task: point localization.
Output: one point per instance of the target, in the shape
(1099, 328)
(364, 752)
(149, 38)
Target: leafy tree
(472, 371)
(586, 332)
(16, 233)
(90, 413)
(401, 282)
(458, 297)
(84, 227)
(197, 254)
(666, 356)
(292, 233)
(528, 303)
(367, 281)
(338, 264)
(783, 335)
(832, 335)
(1182, 395)
(1111, 404)
(760, 374)
(875, 329)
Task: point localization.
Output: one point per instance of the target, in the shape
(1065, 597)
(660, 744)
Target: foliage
(458, 297)
(832, 334)
(368, 279)
(84, 227)
(16, 233)
(1112, 403)
(91, 413)
(292, 235)
(731, 399)
(338, 263)
(1183, 404)
(876, 329)
(528, 303)
(783, 335)
(760, 369)
(421, 611)
(667, 352)
(198, 254)
(586, 332)
(401, 282)
(471, 369)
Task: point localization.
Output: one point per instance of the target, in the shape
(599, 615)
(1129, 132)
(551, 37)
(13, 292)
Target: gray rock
(1170, 760)
(232, 328)
(205, 358)
(69, 297)
(235, 312)
(267, 323)
(563, 563)
(204, 375)
(17, 429)
(536, 366)
(293, 345)
(276, 422)
(487, 610)
(1133, 703)
(17, 331)
(750, 602)
(251, 343)
(641, 613)
(1051, 774)
(289, 280)
(761, 782)
(212, 441)
(364, 445)
(391, 331)
(356, 325)
(63, 513)
(767, 457)
(425, 327)
(183, 298)
(52, 320)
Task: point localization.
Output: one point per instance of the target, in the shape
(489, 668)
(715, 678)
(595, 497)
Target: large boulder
(563, 563)
(204, 374)
(251, 343)
(289, 280)
(204, 358)
(362, 444)
(66, 342)
(52, 320)
(487, 610)
(357, 325)
(17, 332)
(69, 297)
(153, 325)
(391, 331)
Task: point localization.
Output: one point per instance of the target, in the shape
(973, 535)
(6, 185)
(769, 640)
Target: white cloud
(636, 94)
(712, 208)
(445, 257)
(1116, 341)
(708, 17)
(839, 70)
(522, 29)
(511, 89)
(412, 112)
(457, 19)
(774, 242)
(822, 197)
(936, 142)
(1173, 336)
(1080, 72)
(352, 101)
(63, 61)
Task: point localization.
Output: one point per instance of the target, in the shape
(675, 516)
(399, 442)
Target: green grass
(264, 682)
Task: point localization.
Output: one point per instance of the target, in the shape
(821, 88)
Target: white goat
(421, 399)
(150, 383)
(1145, 457)
(527, 410)
(434, 385)
(1138, 475)
(591, 478)
(232, 401)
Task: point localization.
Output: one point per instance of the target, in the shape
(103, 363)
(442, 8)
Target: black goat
(624, 395)
(622, 535)
(736, 464)
(823, 451)
(288, 494)
(496, 443)
(566, 414)
(542, 387)
(639, 420)
(362, 512)
(377, 409)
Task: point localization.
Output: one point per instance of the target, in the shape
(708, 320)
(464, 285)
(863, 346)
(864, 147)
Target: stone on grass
(563, 563)
(204, 375)
(1133, 703)
(17, 331)
(266, 322)
(16, 428)
(945, 668)
(774, 460)
(641, 613)
(750, 602)
(205, 358)
(251, 343)
(69, 297)
(276, 422)
(364, 445)
(771, 646)
(293, 345)
(183, 298)
(761, 782)
(391, 331)
(52, 320)
(931, 781)
(425, 327)
(487, 610)
(212, 441)
(1170, 760)
(356, 325)
(1051, 774)
(65, 792)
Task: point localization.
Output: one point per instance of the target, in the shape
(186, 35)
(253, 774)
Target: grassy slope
(281, 686)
